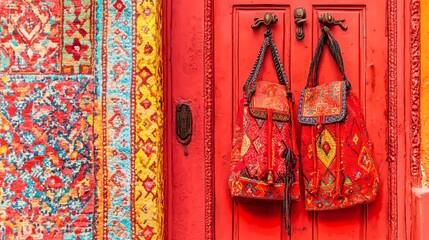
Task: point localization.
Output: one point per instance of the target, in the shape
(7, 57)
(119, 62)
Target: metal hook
(328, 20)
(267, 20)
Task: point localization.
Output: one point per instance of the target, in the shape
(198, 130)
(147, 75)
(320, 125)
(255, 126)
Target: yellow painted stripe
(148, 195)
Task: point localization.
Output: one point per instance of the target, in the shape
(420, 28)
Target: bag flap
(272, 96)
(325, 103)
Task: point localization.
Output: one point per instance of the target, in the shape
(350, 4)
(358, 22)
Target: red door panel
(186, 172)
(364, 48)
(257, 221)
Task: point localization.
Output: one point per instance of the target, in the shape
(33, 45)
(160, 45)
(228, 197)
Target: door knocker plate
(184, 124)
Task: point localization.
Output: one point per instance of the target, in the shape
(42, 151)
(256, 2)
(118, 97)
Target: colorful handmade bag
(264, 153)
(337, 164)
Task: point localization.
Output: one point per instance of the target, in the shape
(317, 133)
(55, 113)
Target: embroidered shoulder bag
(264, 153)
(337, 163)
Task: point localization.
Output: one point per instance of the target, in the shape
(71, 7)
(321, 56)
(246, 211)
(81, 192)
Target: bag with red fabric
(336, 153)
(264, 154)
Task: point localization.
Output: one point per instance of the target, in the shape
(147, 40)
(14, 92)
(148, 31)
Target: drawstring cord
(270, 177)
(290, 162)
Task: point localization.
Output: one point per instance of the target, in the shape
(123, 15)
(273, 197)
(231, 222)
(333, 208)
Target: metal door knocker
(184, 125)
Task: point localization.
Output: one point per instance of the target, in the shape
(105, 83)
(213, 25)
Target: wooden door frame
(413, 72)
(403, 93)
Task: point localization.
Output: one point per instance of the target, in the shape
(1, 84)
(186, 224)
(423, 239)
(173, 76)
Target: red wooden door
(364, 48)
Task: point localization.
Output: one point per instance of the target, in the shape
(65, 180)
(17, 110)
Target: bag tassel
(270, 177)
(289, 179)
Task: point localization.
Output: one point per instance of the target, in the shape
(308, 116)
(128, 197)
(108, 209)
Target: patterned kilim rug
(81, 121)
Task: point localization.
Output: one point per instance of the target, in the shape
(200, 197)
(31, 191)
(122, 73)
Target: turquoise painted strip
(119, 72)
(97, 45)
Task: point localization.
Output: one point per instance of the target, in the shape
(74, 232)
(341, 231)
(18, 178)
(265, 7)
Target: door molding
(416, 172)
(209, 161)
(392, 153)
(411, 121)
(415, 83)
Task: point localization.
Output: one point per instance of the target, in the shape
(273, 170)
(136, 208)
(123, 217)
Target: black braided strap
(255, 71)
(334, 48)
(249, 87)
(278, 65)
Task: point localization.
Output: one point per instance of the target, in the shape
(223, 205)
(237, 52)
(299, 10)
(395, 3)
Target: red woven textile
(337, 163)
(250, 157)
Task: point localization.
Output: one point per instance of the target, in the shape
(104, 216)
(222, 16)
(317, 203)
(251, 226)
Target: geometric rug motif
(47, 180)
(46, 36)
(119, 191)
(77, 48)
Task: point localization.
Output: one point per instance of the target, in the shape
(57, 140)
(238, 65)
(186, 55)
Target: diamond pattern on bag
(258, 144)
(326, 148)
(353, 140)
(364, 159)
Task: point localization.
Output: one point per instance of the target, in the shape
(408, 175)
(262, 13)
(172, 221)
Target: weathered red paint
(372, 32)
(422, 211)
(185, 174)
